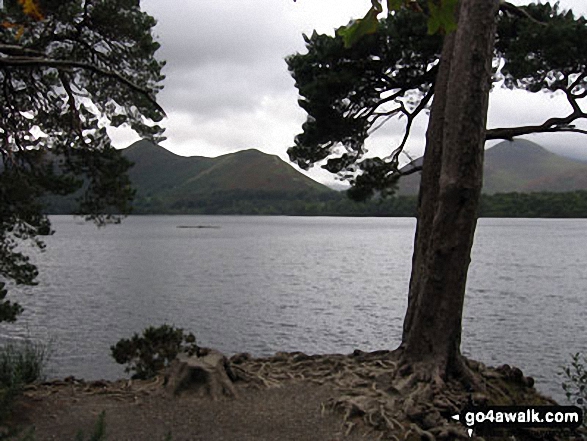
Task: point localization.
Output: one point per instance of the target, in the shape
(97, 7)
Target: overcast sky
(227, 87)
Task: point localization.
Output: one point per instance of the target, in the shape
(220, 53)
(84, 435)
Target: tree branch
(75, 117)
(68, 64)
(549, 126)
(573, 130)
(577, 81)
(410, 171)
(382, 101)
(15, 49)
(411, 116)
(519, 12)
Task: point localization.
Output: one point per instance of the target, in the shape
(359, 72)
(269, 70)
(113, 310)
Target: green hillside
(236, 182)
(525, 166)
(522, 166)
(522, 180)
(250, 170)
(158, 170)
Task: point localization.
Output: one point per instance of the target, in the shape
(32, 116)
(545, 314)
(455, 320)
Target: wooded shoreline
(500, 205)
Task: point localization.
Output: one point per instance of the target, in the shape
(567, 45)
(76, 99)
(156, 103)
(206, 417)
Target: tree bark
(452, 177)
(208, 374)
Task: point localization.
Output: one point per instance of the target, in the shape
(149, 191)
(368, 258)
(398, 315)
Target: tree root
(397, 400)
(373, 392)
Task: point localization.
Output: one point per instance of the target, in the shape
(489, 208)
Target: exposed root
(396, 400)
(422, 434)
(375, 392)
(122, 390)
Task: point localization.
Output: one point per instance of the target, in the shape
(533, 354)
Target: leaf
(352, 33)
(433, 21)
(31, 8)
(442, 16)
(19, 33)
(394, 5)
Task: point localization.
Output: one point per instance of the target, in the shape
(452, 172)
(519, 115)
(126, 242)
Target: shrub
(575, 384)
(148, 354)
(20, 364)
(8, 310)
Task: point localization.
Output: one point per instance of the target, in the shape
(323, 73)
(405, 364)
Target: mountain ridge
(253, 182)
(166, 181)
(520, 166)
(232, 171)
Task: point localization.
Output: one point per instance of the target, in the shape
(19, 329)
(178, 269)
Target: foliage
(350, 92)
(526, 205)
(575, 384)
(439, 14)
(67, 70)
(543, 57)
(541, 204)
(31, 8)
(8, 310)
(20, 364)
(148, 354)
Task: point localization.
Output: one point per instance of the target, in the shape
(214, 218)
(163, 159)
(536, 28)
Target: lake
(313, 284)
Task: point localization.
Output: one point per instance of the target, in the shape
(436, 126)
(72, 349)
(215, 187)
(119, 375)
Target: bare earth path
(287, 397)
(290, 412)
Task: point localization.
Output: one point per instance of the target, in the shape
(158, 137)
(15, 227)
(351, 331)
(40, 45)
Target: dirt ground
(286, 398)
(290, 412)
(290, 396)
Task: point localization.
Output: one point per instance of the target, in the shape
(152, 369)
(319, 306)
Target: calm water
(319, 285)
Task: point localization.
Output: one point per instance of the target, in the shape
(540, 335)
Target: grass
(21, 363)
(575, 383)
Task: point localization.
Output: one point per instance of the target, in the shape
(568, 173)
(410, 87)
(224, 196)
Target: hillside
(252, 182)
(522, 166)
(156, 169)
(168, 182)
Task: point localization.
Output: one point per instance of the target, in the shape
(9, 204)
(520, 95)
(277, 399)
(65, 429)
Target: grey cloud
(223, 88)
(223, 57)
(227, 84)
(197, 33)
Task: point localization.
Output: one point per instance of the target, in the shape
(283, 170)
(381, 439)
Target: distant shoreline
(500, 205)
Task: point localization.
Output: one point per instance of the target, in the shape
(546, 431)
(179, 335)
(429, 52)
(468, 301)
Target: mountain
(576, 150)
(521, 166)
(156, 169)
(252, 182)
(168, 182)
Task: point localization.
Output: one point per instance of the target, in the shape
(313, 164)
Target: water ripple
(265, 284)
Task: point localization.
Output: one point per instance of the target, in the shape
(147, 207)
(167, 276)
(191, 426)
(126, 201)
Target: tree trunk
(449, 191)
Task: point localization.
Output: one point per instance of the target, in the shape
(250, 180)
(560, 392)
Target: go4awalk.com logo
(484, 419)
